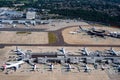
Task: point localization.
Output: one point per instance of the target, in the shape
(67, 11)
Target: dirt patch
(23, 38)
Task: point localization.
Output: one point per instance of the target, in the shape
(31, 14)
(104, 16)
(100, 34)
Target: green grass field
(52, 37)
(23, 32)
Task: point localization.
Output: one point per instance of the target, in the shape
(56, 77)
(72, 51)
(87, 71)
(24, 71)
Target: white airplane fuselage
(13, 65)
(85, 52)
(71, 32)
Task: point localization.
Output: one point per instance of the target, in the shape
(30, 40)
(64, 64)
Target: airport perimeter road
(67, 45)
(22, 29)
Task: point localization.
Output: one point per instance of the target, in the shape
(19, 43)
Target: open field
(83, 38)
(56, 75)
(52, 37)
(23, 38)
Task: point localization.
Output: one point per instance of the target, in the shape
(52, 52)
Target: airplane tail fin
(93, 28)
(16, 48)
(111, 48)
(84, 48)
(62, 50)
(81, 28)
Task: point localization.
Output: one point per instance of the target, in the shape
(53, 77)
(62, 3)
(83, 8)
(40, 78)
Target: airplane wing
(13, 62)
(9, 63)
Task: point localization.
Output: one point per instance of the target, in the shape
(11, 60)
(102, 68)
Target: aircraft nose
(4, 67)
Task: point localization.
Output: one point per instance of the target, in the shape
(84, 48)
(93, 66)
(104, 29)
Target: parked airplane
(33, 23)
(117, 67)
(98, 53)
(68, 67)
(63, 51)
(34, 67)
(85, 30)
(27, 25)
(87, 69)
(51, 67)
(116, 61)
(76, 31)
(85, 52)
(94, 32)
(44, 22)
(73, 32)
(13, 65)
(115, 34)
(14, 25)
(113, 52)
(19, 51)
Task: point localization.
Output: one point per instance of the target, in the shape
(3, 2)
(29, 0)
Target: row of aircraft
(16, 64)
(111, 51)
(68, 68)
